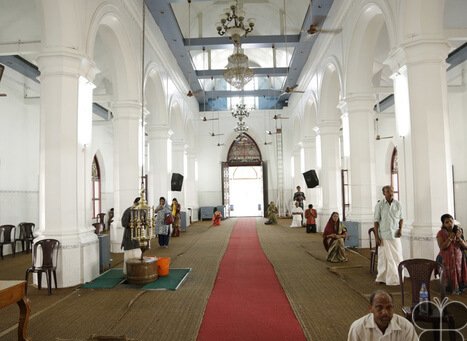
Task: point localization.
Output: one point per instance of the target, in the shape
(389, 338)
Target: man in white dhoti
(388, 227)
(297, 215)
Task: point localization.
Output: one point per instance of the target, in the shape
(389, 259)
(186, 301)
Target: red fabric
(310, 215)
(247, 301)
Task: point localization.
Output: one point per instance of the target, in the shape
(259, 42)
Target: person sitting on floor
(381, 323)
(272, 214)
(451, 255)
(216, 217)
(333, 239)
(297, 215)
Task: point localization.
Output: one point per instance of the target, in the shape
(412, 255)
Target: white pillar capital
(329, 127)
(126, 110)
(66, 62)
(357, 103)
(158, 132)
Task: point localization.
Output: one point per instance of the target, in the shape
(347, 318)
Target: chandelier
(240, 112)
(241, 127)
(232, 23)
(237, 72)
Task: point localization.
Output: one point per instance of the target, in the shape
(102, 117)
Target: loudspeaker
(311, 178)
(2, 67)
(176, 182)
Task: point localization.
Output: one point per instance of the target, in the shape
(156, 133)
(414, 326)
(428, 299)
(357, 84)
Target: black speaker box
(176, 182)
(311, 178)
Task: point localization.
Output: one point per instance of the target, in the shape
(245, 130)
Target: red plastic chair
(44, 260)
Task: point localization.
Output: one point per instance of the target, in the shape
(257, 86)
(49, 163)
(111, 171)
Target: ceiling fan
(220, 144)
(280, 117)
(205, 119)
(378, 136)
(291, 90)
(267, 143)
(192, 93)
(314, 28)
(214, 134)
(270, 132)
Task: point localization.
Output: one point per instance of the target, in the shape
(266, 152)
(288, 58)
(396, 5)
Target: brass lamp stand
(142, 270)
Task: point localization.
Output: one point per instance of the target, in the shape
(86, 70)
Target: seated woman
(451, 255)
(333, 239)
(272, 214)
(216, 217)
(297, 215)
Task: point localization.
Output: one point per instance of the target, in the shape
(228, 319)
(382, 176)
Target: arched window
(395, 173)
(244, 152)
(96, 188)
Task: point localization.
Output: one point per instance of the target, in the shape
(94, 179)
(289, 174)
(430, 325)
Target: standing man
(388, 230)
(311, 215)
(130, 246)
(381, 323)
(299, 196)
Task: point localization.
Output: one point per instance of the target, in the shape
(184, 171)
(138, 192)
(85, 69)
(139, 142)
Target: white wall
(19, 152)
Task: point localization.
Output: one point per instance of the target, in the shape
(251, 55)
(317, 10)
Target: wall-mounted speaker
(311, 178)
(176, 182)
(2, 68)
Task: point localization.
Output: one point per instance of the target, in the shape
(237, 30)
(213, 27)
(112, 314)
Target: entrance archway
(244, 180)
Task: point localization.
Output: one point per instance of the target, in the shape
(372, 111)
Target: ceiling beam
(247, 42)
(259, 72)
(246, 93)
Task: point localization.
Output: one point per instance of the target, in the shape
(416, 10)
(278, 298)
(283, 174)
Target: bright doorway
(246, 191)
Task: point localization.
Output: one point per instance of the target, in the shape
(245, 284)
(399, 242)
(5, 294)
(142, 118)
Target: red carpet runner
(247, 302)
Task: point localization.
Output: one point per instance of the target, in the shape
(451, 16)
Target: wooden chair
(44, 260)
(373, 251)
(8, 237)
(26, 235)
(420, 271)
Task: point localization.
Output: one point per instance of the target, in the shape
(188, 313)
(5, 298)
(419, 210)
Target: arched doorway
(244, 178)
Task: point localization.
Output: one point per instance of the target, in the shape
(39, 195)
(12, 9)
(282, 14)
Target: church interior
(226, 106)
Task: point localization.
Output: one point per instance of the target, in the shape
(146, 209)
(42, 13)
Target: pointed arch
(244, 151)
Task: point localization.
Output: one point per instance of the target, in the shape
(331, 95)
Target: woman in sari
(162, 229)
(333, 239)
(176, 213)
(451, 255)
(216, 217)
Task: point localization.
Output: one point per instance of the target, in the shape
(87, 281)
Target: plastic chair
(373, 251)
(99, 227)
(420, 271)
(7, 237)
(44, 260)
(26, 235)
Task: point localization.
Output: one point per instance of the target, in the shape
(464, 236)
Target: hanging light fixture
(232, 23)
(241, 127)
(237, 72)
(240, 112)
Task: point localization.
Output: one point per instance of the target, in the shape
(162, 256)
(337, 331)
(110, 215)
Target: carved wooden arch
(244, 152)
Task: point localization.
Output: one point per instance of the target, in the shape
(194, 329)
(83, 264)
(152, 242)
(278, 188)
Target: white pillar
(178, 166)
(127, 173)
(431, 159)
(191, 186)
(159, 174)
(309, 147)
(65, 168)
(330, 175)
(359, 109)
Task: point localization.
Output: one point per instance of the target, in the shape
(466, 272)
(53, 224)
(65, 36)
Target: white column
(309, 147)
(359, 109)
(431, 159)
(127, 172)
(65, 167)
(297, 176)
(178, 166)
(330, 175)
(190, 183)
(159, 182)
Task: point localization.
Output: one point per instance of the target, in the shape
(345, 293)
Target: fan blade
(2, 95)
(205, 119)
